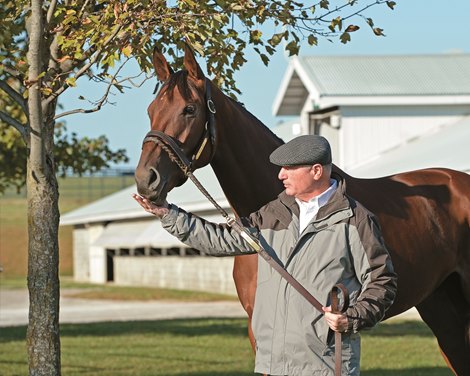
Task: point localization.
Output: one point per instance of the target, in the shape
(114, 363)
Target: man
(322, 237)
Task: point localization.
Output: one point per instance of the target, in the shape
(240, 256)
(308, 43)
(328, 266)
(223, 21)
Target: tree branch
(50, 12)
(101, 102)
(15, 124)
(85, 67)
(11, 71)
(13, 94)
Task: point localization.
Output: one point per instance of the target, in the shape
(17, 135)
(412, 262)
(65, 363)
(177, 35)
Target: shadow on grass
(183, 327)
(398, 329)
(418, 371)
(197, 327)
(425, 371)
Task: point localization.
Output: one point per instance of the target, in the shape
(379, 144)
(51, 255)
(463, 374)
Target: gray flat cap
(303, 150)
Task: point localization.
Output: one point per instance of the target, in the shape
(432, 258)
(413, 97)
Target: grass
(74, 192)
(147, 293)
(127, 293)
(209, 347)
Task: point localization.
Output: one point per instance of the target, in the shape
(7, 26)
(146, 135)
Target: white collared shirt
(309, 209)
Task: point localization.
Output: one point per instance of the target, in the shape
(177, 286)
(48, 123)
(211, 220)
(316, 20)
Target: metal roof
(142, 233)
(440, 75)
(446, 74)
(444, 147)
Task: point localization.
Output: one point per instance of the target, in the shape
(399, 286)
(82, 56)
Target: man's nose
(282, 174)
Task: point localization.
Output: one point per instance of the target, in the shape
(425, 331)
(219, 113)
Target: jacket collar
(337, 208)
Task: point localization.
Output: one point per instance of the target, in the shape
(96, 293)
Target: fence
(88, 187)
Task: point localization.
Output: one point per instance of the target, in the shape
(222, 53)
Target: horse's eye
(190, 109)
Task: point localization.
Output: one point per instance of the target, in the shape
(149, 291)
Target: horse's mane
(263, 126)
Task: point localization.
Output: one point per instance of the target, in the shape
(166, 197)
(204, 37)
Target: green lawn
(74, 192)
(209, 347)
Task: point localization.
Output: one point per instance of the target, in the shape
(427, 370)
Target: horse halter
(209, 135)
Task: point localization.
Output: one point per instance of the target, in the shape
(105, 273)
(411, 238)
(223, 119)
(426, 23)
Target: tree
(48, 45)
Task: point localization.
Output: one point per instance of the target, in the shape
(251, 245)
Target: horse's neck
(241, 162)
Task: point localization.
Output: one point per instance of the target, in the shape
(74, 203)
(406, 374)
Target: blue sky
(414, 27)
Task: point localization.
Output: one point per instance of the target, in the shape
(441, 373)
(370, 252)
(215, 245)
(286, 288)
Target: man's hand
(158, 211)
(338, 322)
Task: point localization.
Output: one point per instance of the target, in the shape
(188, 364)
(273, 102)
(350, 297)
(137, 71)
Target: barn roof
(121, 205)
(344, 77)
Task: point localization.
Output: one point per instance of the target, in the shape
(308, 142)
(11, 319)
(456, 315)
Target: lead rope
(255, 244)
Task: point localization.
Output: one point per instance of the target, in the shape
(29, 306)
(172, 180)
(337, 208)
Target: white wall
(81, 255)
(367, 131)
(213, 274)
(96, 255)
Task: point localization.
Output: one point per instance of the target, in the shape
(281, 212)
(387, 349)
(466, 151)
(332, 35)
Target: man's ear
(317, 171)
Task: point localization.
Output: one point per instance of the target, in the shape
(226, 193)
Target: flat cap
(303, 150)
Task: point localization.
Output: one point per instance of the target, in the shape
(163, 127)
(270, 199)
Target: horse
(424, 214)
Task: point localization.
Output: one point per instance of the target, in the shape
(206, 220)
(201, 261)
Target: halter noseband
(208, 135)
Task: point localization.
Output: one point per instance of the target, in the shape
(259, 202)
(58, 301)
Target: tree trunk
(43, 339)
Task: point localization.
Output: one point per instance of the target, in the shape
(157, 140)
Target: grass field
(74, 192)
(208, 347)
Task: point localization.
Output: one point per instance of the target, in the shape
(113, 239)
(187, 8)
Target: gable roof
(363, 76)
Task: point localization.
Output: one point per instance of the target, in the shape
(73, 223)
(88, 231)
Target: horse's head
(183, 111)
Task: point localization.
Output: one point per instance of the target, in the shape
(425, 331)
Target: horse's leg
(245, 272)
(447, 312)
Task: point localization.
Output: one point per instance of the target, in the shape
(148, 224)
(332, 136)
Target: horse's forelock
(180, 80)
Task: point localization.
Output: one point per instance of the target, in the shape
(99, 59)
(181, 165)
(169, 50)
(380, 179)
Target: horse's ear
(191, 64)
(162, 68)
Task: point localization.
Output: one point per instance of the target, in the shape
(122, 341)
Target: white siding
(368, 131)
(97, 256)
(213, 274)
(81, 256)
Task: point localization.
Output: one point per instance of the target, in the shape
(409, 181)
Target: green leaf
(312, 40)
(293, 48)
(324, 4)
(352, 28)
(345, 37)
(391, 4)
(265, 59)
(378, 31)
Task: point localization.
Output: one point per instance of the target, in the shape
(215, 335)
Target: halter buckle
(211, 106)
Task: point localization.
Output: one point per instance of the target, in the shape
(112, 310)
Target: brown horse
(425, 214)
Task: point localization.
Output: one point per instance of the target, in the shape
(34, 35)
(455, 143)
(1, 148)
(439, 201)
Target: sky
(413, 27)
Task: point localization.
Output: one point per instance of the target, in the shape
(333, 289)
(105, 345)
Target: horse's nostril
(154, 178)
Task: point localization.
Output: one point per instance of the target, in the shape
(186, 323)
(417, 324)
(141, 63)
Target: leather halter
(209, 135)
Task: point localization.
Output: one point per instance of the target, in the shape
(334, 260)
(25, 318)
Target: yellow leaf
(71, 81)
(46, 91)
(127, 51)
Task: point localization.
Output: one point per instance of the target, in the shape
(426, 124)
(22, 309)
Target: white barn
(381, 114)
(368, 106)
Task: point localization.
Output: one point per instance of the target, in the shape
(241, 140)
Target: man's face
(300, 181)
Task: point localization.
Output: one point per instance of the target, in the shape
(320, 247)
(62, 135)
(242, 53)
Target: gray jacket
(343, 244)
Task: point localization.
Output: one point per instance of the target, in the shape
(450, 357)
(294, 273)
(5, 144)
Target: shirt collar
(322, 198)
